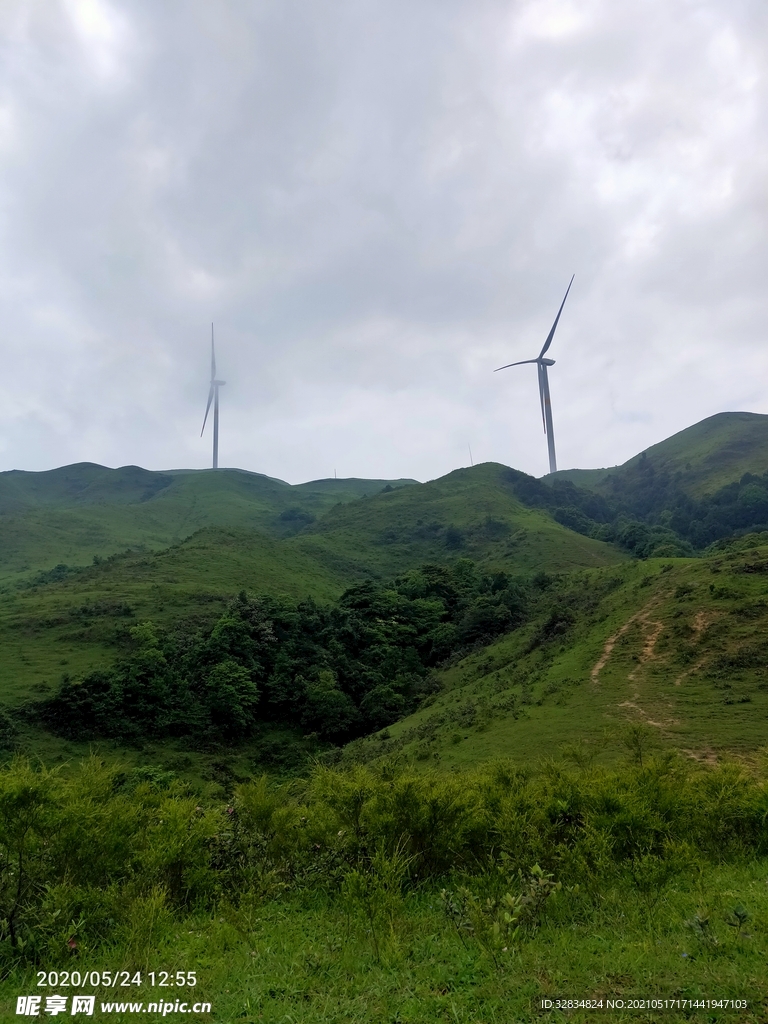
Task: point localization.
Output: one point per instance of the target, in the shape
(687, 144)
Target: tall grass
(84, 853)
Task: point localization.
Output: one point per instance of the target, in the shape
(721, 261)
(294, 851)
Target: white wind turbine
(541, 366)
(213, 396)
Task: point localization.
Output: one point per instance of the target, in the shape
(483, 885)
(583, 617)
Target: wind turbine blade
(551, 334)
(207, 408)
(521, 363)
(213, 358)
(542, 371)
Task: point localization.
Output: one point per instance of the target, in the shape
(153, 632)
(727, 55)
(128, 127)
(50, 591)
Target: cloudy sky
(378, 202)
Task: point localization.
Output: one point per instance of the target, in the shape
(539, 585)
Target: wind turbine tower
(213, 396)
(541, 366)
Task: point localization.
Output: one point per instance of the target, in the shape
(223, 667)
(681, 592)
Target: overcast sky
(378, 202)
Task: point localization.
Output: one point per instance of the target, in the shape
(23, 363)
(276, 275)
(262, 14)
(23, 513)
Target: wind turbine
(213, 396)
(541, 366)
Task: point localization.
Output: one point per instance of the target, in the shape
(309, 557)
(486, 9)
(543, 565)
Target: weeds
(499, 924)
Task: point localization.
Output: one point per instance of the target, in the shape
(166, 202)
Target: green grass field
(358, 897)
(69, 515)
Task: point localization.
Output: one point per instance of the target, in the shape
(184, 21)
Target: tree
(327, 709)
(230, 696)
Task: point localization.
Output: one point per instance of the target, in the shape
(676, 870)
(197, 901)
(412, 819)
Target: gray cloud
(377, 204)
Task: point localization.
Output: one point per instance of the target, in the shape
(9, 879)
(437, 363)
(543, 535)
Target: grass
(708, 455)
(72, 622)
(471, 513)
(301, 960)
(75, 625)
(676, 646)
(69, 515)
(258, 897)
(655, 660)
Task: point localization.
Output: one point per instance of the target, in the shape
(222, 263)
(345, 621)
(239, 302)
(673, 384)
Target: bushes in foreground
(85, 853)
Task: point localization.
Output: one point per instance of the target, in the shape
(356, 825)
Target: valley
(366, 750)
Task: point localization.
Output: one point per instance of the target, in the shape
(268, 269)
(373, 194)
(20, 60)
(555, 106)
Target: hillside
(677, 647)
(702, 458)
(68, 515)
(67, 620)
(471, 513)
(557, 787)
(517, 694)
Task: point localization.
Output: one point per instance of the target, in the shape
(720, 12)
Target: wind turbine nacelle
(547, 362)
(218, 383)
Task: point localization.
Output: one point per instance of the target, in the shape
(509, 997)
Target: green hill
(66, 620)
(199, 538)
(68, 515)
(701, 458)
(472, 513)
(676, 647)
(575, 808)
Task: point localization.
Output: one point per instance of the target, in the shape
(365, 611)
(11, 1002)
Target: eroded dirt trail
(649, 639)
(701, 620)
(652, 631)
(651, 628)
(661, 716)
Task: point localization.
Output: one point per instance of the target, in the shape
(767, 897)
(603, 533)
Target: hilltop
(68, 618)
(91, 554)
(474, 513)
(701, 459)
(705, 484)
(71, 514)
(334, 735)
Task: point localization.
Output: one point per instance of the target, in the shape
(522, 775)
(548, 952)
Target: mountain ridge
(707, 455)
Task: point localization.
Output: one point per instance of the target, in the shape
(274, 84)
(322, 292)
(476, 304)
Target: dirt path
(649, 641)
(651, 631)
(645, 717)
(701, 620)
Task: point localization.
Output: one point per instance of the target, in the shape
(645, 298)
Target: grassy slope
(708, 455)
(679, 646)
(71, 514)
(73, 625)
(389, 532)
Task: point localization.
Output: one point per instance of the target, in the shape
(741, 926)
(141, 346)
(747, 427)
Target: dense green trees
(647, 512)
(334, 671)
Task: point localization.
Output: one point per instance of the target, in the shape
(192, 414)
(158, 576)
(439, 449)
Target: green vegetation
(335, 671)
(362, 896)
(71, 620)
(703, 458)
(67, 516)
(708, 482)
(679, 646)
(677, 497)
(515, 731)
